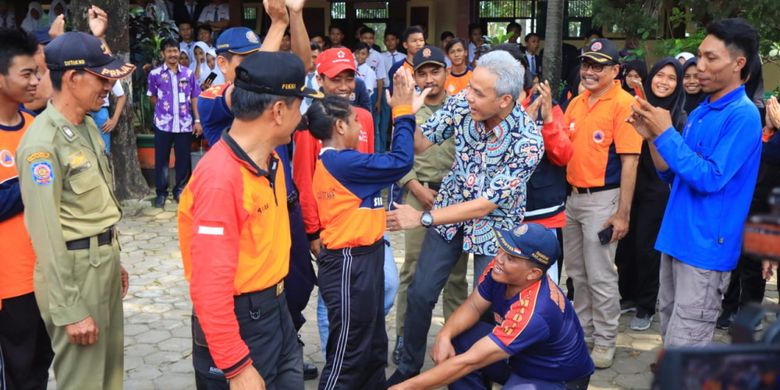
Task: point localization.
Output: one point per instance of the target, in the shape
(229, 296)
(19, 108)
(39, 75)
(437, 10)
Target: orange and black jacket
(347, 187)
(234, 234)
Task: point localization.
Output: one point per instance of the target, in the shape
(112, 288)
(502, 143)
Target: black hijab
(692, 101)
(639, 66)
(674, 102)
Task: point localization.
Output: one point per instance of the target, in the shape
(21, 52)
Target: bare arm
(407, 217)
(120, 106)
(421, 142)
(298, 34)
(620, 219)
(277, 11)
(658, 160)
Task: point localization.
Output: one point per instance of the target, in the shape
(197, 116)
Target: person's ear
(223, 64)
(506, 101)
(741, 63)
(341, 126)
(279, 108)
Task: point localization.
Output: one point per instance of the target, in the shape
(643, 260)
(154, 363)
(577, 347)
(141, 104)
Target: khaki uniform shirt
(435, 162)
(67, 190)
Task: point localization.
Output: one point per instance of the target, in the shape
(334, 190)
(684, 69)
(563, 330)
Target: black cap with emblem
(275, 73)
(429, 55)
(601, 51)
(78, 50)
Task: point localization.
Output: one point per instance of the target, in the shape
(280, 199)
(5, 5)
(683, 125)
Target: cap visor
(598, 57)
(431, 62)
(116, 69)
(310, 93)
(241, 50)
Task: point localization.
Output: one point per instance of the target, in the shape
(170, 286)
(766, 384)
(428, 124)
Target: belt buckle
(279, 288)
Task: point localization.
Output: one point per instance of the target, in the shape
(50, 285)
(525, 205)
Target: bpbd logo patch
(42, 172)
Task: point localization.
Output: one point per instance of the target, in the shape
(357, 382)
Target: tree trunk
(129, 181)
(553, 42)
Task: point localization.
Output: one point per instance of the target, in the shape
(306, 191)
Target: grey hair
(509, 72)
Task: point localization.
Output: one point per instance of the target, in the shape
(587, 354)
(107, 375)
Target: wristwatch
(426, 220)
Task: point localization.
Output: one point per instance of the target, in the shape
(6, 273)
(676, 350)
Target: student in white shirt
(216, 15)
(364, 71)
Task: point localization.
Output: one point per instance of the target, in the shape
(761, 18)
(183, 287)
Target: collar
(616, 87)
(506, 124)
(727, 99)
(167, 69)
(242, 157)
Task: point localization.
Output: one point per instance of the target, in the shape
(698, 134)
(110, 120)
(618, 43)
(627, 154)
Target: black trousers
(301, 279)
(182, 146)
(24, 345)
(267, 329)
(351, 282)
(746, 283)
(637, 260)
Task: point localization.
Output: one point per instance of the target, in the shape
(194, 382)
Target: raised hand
(98, 21)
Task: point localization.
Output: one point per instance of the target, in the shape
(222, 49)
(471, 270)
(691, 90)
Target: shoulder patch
(518, 316)
(42, 173)
(38, 156)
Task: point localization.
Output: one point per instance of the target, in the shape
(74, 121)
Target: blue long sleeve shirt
(713, 167)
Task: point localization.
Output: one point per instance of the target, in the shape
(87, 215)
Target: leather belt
(104, 238)
(579, 190)
(273, 291)
(432, 185)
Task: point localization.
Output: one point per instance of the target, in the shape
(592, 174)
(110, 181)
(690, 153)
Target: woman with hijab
(693, 94)
(636, 258)
(57, 8)
(684, 56)
(34, 19)
(633, 71)
(203, 67)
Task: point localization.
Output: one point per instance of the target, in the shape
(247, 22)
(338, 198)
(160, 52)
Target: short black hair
(185, 21)
(314, 46)
(390, 32)
(204, 26)
(738, 35)
(249, 105)
(531, 35)
(366, 30)
(454, 42)
(445, 35)
(56, 77)
(474, 26)
(360, 46)
(169, 42)
(14, 43)
(594, 31)
(322, 115)
(411, 30)
(512, 25)
(336, 26)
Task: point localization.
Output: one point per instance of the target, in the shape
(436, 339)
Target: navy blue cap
(530, 241)
(42, 36)
(602, 51)
(77, 50)
(237, 40)
(429, 55)
(275, 73)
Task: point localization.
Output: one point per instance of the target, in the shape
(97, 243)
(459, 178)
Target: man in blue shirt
(536, 340)
(712, 167)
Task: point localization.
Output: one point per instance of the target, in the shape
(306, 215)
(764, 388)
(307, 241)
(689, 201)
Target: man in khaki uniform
(422, 184)
(71, 211)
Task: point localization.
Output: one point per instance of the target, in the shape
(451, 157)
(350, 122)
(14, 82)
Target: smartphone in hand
(605, 236)
(639, 90)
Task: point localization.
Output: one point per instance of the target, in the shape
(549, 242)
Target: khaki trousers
(455, 291)
(101, 365)
(591, 266)
(689, 300)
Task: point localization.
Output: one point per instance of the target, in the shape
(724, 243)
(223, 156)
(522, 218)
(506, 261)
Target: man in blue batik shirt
(712, 167)
(536, 340)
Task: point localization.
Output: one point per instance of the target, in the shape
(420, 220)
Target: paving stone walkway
(157, 314)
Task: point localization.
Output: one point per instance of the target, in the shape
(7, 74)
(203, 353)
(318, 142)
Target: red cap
(331, 62)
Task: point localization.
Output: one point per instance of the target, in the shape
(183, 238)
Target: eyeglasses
(593, 66)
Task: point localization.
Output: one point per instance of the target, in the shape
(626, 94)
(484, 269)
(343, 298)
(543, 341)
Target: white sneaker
(602, 356)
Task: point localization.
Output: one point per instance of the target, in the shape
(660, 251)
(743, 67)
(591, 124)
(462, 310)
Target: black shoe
(724, 320)
(310, 372)
(159, 201)
(176, 197)
(399, 346)
(399, 377)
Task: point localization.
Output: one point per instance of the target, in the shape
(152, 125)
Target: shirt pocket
(89, 193)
